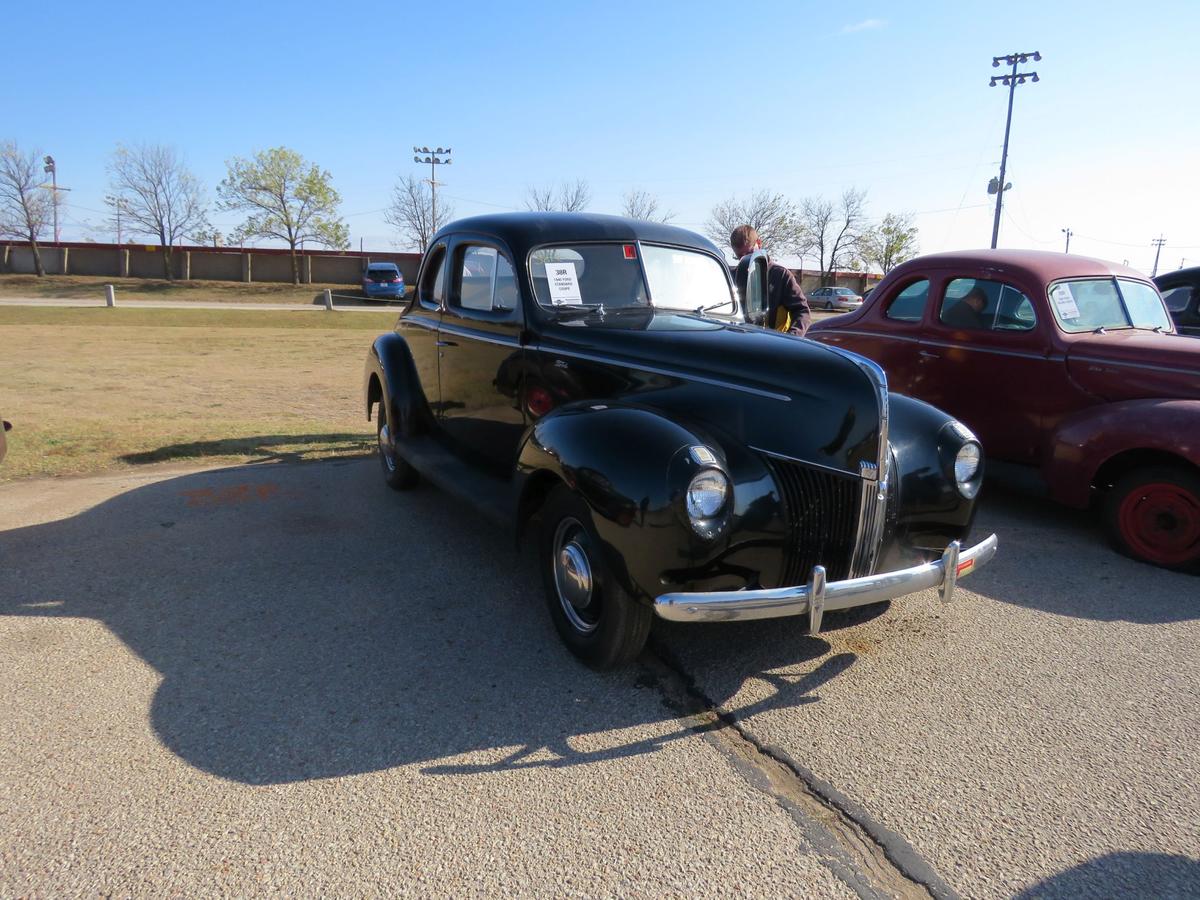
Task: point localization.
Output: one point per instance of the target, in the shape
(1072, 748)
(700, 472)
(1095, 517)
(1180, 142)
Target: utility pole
(1012, 79)
(1068, 232)
(432, 157)
(1158, 245)
(116, 203)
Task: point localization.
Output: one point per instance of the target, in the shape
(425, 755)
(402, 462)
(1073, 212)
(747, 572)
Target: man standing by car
(787, 307)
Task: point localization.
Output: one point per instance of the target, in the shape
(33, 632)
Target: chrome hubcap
(573, 576)
(385, 448)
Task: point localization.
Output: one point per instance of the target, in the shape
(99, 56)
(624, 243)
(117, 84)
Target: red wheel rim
(1161, 523)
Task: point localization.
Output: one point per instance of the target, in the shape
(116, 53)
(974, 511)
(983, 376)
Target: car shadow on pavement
(1128, 875)
(1058, 560)
(308, 623)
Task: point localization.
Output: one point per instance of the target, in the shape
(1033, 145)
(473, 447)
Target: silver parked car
(834, 298)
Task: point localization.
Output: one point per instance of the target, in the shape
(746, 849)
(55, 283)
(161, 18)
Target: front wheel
(1153, 515)
(595, 617)
(397, 473)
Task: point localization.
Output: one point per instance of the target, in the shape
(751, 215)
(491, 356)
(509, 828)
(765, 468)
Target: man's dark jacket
(784, 290)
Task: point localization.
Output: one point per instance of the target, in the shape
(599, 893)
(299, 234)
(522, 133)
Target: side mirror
(751, 277)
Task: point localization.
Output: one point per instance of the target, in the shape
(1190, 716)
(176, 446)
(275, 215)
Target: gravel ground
(285, 679)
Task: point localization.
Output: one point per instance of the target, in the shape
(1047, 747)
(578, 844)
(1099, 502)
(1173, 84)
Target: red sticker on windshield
(630, 251)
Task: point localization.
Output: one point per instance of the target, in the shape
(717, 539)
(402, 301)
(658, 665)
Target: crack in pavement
(871, 859)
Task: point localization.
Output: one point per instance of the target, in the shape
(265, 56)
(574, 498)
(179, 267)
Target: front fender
(632, 465)
(1084, 441)
(390, 366)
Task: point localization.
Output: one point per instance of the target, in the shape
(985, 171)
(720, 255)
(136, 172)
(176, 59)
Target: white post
(110, 295)
(328, 299)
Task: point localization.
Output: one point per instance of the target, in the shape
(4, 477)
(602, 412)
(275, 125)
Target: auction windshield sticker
(563, 283)
(1064, 301)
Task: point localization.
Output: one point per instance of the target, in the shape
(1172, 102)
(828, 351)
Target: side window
(981, 305)
(486, 281)
(1178, 298)
(909, 304)
(431, 292)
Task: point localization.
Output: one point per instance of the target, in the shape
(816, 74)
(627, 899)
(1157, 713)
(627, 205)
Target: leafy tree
(891, 242)
(834, 231)
(288, 199)
(411, 212)
(773, 216)
(25, 207)
(157, 196)
(566, 198)
(639, 204)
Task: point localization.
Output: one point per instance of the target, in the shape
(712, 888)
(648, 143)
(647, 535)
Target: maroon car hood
(1130, 365)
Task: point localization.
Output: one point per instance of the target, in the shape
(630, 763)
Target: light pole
(53, 170)
(1068, 232)
(1012, 79)
(432, 157)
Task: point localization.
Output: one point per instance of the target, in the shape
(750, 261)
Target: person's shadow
(307, 622)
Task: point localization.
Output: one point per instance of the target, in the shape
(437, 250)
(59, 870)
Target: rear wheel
(595, 617)
(829, 305)
(1153, 514)
(398, 474)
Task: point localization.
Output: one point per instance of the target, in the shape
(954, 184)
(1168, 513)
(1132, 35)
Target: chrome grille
(822, 509)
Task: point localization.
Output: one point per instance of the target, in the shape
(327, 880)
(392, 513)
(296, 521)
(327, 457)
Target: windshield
(588, 275)
(1090, 304)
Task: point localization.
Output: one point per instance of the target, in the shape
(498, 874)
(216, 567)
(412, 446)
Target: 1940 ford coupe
(600, 383)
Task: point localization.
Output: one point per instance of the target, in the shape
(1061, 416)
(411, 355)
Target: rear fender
(1086, 441)
(390, 376)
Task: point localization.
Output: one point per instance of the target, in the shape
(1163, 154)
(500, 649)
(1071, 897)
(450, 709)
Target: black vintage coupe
(600, 383)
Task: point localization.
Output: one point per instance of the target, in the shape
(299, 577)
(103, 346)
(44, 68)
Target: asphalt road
(287, 679)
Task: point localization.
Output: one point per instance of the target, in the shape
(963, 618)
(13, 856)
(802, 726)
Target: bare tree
(566, 198)
(25, 206)
(834, 231)
(891, 242)
(288, 198)
(411, 212)
(639, 204)
(773, 216)
(157, 196)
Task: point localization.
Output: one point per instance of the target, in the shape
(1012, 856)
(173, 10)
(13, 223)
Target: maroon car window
(909, 304)
(982, 305)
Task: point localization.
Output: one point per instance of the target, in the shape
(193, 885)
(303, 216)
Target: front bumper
(817, 596)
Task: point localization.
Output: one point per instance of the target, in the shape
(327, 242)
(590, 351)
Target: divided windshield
(1093, 303)
(625, 275)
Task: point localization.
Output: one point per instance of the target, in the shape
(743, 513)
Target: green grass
(94, 389)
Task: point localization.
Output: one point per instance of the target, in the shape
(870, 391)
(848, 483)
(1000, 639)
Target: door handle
(928, 355)
(446, 344)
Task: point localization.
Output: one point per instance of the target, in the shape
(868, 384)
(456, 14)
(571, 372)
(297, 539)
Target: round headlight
(706, 495)
(966, 469)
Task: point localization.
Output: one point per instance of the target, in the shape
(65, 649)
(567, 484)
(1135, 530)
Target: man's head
(976, 298)
(743, 240)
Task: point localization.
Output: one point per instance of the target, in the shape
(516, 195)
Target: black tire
(829, 305)
(397, 474)
(603, 626)
(1153, 515)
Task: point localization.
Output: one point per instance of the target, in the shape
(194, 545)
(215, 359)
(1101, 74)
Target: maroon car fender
(1089, 438)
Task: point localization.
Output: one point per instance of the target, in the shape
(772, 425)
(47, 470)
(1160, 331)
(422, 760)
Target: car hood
(1131, 365)
(777, 393)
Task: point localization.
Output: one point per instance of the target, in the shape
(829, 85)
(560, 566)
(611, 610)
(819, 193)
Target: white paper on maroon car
(1064, 301)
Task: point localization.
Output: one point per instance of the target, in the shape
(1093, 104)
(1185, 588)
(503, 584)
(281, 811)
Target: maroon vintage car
(1067, 368)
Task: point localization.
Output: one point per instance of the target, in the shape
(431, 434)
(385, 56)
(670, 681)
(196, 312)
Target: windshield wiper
(701, 310)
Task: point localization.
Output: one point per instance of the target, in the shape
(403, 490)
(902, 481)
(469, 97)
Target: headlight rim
(708, 525)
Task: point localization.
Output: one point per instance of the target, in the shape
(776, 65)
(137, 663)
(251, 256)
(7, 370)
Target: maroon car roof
(1038, 264)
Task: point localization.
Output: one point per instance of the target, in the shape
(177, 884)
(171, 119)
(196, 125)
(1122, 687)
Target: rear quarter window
(909, 304)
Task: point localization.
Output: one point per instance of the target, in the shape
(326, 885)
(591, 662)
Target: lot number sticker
(564, 285)
(1064, 301)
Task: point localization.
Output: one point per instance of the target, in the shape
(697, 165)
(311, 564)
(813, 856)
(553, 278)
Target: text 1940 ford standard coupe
(597, 378)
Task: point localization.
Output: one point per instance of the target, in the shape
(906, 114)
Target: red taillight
(397, 280)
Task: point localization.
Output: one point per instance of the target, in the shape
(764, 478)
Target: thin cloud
(864, 25)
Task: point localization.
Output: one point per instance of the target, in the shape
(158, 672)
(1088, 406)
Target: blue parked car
(383, 280)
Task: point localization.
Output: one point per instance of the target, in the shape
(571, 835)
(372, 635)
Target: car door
(890, 333)
(481, 360)
(990, 367)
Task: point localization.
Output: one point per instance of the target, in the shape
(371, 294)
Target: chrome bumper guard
(817, 596)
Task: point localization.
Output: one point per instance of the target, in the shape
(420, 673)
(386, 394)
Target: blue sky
(692, 102)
